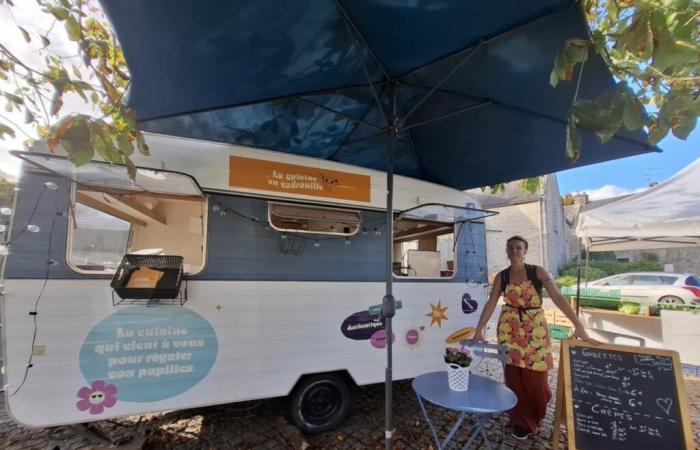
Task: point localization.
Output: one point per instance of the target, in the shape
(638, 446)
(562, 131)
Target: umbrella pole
(388, 304)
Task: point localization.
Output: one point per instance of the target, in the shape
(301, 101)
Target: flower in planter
(459, 356)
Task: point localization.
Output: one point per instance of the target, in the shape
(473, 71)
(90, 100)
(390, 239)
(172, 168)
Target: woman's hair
(518, 238)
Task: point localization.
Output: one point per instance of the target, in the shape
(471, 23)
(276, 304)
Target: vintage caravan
(282, 260)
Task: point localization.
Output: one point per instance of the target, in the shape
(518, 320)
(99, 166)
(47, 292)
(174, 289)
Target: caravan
(282, 258)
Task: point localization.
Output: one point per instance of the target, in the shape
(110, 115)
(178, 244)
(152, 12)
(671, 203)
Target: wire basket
(168, 287)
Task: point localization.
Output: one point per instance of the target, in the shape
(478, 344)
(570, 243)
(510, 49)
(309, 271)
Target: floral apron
(522, 328)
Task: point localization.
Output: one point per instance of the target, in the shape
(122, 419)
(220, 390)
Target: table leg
(452, 432)
(427, 419)
(482, 420)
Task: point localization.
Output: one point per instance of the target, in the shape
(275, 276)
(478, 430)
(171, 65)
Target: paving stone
(261, 426)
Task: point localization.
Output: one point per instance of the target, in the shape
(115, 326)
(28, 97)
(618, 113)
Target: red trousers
(532, 389)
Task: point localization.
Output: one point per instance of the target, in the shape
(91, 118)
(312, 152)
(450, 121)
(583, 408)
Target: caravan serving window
(153, 224)
(424, 249)
(98, 240)
(292, 218)
(163, 212)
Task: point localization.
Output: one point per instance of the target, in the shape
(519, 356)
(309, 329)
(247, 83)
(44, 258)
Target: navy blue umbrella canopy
(468, 81)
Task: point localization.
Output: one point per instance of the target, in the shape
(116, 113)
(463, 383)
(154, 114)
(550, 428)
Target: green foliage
(530, 185)
(7, 192)
(568, 276)
(629, 307)
(566, 280)
(601, 268)
(653, 49)
(38, 91)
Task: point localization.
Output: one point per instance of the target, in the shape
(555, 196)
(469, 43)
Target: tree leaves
(111, 133)
(5, 130)
(59, 12)
(653, 50)
(638, 37)
(575, 51)
(573, 141)
(73, 28)
(531, 185)
(25, 35)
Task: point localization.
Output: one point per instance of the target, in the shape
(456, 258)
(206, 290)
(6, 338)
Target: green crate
(559, 332)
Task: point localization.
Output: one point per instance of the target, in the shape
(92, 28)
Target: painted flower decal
(97, 397)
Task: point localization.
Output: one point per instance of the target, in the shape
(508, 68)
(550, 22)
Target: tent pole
(586, 272)
(578, 277)
(388, 304)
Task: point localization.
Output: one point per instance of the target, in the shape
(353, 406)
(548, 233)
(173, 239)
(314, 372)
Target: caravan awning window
(292, 218)
(105, 177)
(435, 212)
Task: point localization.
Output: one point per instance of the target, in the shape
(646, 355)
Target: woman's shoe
(520, 433)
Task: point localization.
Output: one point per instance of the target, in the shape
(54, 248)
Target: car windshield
(692, 281)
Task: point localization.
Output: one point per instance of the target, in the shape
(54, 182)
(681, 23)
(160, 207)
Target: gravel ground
(261, 425)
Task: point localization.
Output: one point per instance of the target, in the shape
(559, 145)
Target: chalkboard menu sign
(626, 398)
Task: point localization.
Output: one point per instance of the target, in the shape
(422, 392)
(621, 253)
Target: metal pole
(586, 271)
(388, 304)
(578, 277)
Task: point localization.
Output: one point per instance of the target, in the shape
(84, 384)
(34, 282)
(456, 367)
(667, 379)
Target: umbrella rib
(359, 36)
(355, 141)
(349, 117)
(410, 137)
(464, 59)
(364, 116)
(524, 111)
(356, 35)
(366, 138)
(445, 116)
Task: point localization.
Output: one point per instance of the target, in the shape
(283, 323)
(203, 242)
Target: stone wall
(524, 220)
(684, 260)
(556, 231)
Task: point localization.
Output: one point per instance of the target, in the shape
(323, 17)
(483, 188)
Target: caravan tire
(319, 403)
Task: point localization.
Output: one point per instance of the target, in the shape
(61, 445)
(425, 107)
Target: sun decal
(437, 314)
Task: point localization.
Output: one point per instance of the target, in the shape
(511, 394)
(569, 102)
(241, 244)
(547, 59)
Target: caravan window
(164, 211)
(148, 223)
(424, 249)
(98, 240)
(286, 217)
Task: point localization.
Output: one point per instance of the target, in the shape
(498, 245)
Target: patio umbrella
(454, 92)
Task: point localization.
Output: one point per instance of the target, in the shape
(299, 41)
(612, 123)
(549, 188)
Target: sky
(628, 175)
(602, 180)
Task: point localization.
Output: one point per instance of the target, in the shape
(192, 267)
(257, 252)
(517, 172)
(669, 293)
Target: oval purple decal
(468, 304)
(378, 339)
(361, 326)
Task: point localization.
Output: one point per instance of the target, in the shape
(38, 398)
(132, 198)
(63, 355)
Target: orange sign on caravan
(252, 173)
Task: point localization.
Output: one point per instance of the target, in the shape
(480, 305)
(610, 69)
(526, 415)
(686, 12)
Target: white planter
(457, 377)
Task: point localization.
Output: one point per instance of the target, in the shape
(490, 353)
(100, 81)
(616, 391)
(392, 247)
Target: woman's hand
(580, 333)
(478, 337)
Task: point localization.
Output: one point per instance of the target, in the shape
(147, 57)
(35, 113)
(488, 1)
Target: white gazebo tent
(664, 216)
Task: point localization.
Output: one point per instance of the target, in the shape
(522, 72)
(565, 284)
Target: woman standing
(522, 328)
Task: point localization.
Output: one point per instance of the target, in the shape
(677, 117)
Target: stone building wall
(524, 220)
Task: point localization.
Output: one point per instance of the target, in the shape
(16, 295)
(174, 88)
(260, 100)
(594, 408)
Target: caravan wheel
(319, 403)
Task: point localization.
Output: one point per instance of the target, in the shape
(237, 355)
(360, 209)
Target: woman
(522, 328)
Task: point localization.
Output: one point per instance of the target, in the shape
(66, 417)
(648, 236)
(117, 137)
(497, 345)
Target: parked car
(653, 287)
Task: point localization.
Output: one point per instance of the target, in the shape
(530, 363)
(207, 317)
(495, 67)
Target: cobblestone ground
(261, 425)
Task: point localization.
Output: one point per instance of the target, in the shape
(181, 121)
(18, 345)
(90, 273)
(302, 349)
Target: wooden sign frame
(564, 406)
